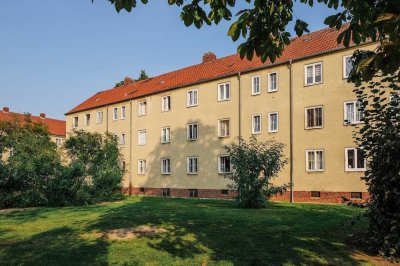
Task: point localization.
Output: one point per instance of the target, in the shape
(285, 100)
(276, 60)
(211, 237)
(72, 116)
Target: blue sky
(55, 54)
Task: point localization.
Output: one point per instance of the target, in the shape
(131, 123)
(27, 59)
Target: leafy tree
(142, 75)
(254, 165)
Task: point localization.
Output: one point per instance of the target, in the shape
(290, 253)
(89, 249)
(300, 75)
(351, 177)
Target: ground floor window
(224, 164)
(165, 166)
(355, 159)
(315, 160)
(192, 165)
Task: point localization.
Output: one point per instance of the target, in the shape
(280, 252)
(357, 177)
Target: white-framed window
(75, 122)
(256, 124)
(115, 113)
(165, 135)
(123, 112)
(99, 117)
(142, 167)
(192, 165)
(354, 159)
(313, 73)
(165, 103)
(347, 66)
(255, 85)
(273, 122)
(224, 164)
(314, 117)
(192, 131)
(224, 128)
(142, 137)
(272, 82)
(192, 98)
(314, 160)
(224, 91)
(58, 142)
(165, 166)
(123, 140)
(142, 108)
(87, 120)
(352, 112)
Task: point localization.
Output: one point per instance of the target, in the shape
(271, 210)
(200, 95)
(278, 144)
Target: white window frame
(306, 116)
(194, 92)
(87, 121)
(269, 122)
(313, 82)
(219, 127)
(220, 164)
(142, 170)
(190, 127)
(345, 118)
(269, 82)
(253, 92)
(196, 159)
(315, 160)
(99, 117)
(75, 122)
(165, 140)
(115, 113)
(123, 139)
(139, 137)
(346, 157)
(123, 112)
(58, 142)
(345, 76)
(168, 166)
(167, 107)
(253, 124)
(226, 88)
(142, 111)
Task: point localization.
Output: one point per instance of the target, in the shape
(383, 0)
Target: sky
(54, 54)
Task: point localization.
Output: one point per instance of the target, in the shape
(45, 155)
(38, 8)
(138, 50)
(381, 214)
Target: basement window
(166, 192)
(224, 192)
(356, 195)
(193, 193)
(315, 194)
(142, 189)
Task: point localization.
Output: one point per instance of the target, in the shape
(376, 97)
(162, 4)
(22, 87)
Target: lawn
(191, 232)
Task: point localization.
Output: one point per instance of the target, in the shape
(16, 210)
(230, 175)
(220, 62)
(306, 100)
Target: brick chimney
(208, 57)
(6, 109)
(42, 115)
(128, 80)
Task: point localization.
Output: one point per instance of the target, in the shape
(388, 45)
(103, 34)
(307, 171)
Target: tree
(142, 75)
(254, 164)
(128, 80)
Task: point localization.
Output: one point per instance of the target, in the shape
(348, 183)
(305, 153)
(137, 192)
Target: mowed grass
(199, 232)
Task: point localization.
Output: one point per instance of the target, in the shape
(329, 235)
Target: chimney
(128, 80)
(42, 115)
(6, 109)
(208, 57)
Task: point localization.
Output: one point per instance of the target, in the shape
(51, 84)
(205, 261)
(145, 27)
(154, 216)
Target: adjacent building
(172, 128)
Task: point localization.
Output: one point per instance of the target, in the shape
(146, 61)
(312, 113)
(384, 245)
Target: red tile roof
(312, 44)
(56, 127)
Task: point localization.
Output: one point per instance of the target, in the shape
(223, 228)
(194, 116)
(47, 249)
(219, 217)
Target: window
(313, 74)
(123, 112)
(224, 91)
(75, 122)
(356, 195)
(165, 135)
(99, 117)
(314, 117)
(142, 108)
(193, 193)
(355, 159)
(273, 122)
(166, 166)
(142, 189)
(224, 164)
(255, 85)
(315, 160)
(256, 124)
(166, 192)
(347, 66)
(315, 194)
(192, 131)
(224, 191)
(352, 112)
(223, 128)
(122, 140)
(272, 82)
(192, 167)
(142, 169)
(192, 98)
(142, 137)
(115, 114)
(123, 166)
(165, 103)
(87, 119)
(58, 142)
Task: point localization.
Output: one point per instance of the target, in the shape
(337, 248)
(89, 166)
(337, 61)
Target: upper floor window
(347, 66)
(165, 166)
(255, 85)
(355, 159)
(315, 160)
(142, 168)
(224, 91)
(142, 137)
(122, 140)
(314, 117)
(165, 135)
(115, 113)
(192, 165)
(192, 131)
(99, 117)
(165, 103)
(313, 73)
(75, 122)
(192, 98)
(352, 112)
(142, 108)
(256, 124)
(224, 164)
(58, 142)
(123, 112)
(87, 119)
(223, 128)
(272, 82)
(273, 121)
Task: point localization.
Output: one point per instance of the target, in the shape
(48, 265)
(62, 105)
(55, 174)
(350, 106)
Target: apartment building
(172, 128)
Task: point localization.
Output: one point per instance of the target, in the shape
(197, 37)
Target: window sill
(272, 91)
(190, 106)
(224, 100)
(314, 171)
(356, 170)
(273, 131)
(223, 137)
(165, 173)
(311, 128)
(192, 173)
(191, 140)
(353, 123)
(255, 94)
(313, 84)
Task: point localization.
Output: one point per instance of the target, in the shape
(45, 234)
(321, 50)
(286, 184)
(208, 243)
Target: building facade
(172, 128)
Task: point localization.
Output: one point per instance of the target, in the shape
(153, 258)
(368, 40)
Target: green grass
(211, 232)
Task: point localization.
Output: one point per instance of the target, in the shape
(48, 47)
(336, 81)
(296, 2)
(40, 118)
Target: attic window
(162, 82)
